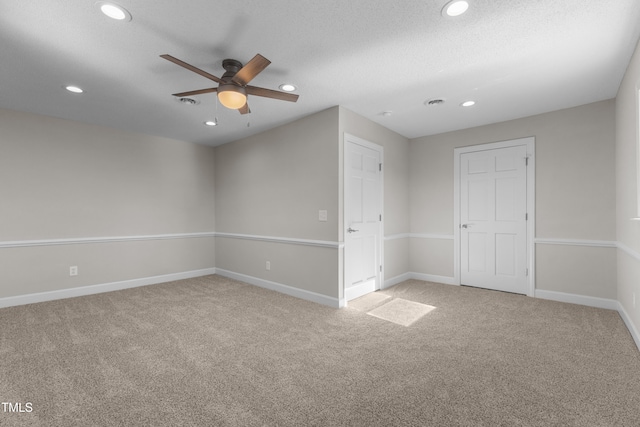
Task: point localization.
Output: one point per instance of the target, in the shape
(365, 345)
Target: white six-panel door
(493, 219)
(363, 210)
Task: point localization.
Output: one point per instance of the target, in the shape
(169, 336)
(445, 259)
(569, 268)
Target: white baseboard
(630, 326)
(609, 304)
(446, 280)
(97, 289)
(285, 289)
(395, 280)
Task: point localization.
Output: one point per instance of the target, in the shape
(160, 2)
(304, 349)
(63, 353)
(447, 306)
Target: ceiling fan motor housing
(231, 94)
(232, 66)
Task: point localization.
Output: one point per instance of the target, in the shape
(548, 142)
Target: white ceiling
(515, 58)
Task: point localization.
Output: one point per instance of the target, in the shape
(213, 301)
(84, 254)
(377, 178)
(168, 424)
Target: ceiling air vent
(434, 102)
(188, 101)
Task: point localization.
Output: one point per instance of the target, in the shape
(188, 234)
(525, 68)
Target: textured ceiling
(515, 58)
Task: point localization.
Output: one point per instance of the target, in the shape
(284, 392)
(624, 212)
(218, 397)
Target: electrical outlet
(268, 266)
(73, 271)
(322, 215)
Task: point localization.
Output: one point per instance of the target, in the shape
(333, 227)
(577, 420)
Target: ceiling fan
(233, 87)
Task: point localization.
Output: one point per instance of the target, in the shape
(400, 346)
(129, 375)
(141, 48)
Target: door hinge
(526, 217)
(526, 271)
(380, 269)
(380, 217)
(380, 167)
(526, 161)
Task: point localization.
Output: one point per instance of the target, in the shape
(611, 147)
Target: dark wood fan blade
(191, 68)
(251, 69)
(245, 109)
(268, 93)
(196, 92)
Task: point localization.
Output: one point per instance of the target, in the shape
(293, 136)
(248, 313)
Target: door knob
(351, 230)
(466, 225)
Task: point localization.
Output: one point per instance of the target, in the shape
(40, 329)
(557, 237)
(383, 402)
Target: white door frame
(529, 143)
(348, 138)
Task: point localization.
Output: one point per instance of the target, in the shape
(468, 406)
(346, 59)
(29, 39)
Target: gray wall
(63, 180)
(272, 185)
(72, 181)
(628, 190)
(575, 178)
(122, 206)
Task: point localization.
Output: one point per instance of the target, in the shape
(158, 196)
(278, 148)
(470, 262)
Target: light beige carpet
(369, 301)
(215, 352)
(396, 310)
(401, 311)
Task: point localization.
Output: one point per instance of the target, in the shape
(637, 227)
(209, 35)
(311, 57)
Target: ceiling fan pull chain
(215, 120)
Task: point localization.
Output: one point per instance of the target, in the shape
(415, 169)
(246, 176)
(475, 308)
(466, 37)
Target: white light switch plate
(322, 215)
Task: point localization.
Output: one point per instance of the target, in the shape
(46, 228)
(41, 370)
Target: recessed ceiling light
(74, 89)
(455, 8)
(287, 87)
(114, 11)
(211, 123)
(387, 113)
(468, 103)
